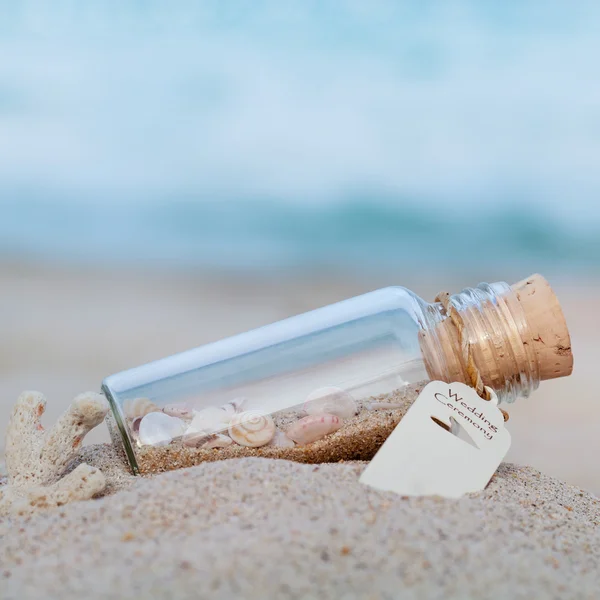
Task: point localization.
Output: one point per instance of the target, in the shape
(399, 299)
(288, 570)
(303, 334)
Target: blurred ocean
(348, 234)
(269, 135)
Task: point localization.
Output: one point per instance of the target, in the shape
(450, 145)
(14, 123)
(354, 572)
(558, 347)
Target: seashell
(139, 407)
(313, 428)
(252, 429)
(194, 439)
(181, 411)
(281, 440)
(384, 406)
(234, 407)
(218, 441)
(135, 427)
(158, 429)
(331, 401)
(211, 419)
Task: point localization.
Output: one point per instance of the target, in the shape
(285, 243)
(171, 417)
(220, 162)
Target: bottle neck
(496, 327)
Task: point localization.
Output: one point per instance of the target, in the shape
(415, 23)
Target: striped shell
(195, 439)
(181, 411)
(331, 401)
(251, 429)
(139, 407)
(218, 441)
(234, 407)
(313, 428)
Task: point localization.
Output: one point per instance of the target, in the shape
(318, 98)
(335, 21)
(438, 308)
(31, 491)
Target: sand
(261, 528)
(111, 462)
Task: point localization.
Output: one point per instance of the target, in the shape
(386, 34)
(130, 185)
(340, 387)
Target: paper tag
(421, 458)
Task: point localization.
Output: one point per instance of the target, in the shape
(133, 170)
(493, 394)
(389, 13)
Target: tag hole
(456, 429)
(440, 423)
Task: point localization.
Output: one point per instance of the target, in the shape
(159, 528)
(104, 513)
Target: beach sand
(261, 528)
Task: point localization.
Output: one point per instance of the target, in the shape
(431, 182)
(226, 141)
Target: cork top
(516, 333)
(549, 332)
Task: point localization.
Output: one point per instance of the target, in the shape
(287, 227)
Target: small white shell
(139, 407)
(331, 401)
(313, 428)
(252, 429)
(218, 441)
(234, 407)
(181, 411)
(211, 419)
(158, 429)
(281, 440)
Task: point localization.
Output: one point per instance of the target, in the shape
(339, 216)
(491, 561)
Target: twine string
(466, 349)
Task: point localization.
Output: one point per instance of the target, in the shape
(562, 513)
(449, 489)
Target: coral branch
(24, 438)
(36, 459)
(64, 439)
(81, 484)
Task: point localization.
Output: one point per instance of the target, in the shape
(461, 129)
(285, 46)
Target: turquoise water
(269, 135)
(367, 235)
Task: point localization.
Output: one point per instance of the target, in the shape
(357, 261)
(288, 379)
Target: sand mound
(260, 528)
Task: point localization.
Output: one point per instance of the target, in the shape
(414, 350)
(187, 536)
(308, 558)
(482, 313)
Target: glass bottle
(331, 384)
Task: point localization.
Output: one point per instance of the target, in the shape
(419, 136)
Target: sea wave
(356, 234)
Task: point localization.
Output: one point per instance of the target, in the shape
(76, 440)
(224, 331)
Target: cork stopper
(518, 336)
(547, 325)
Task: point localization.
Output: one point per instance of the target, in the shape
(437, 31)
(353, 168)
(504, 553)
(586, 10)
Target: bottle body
(337, 359)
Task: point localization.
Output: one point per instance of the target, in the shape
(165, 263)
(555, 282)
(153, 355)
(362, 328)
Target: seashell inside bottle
(332, 384)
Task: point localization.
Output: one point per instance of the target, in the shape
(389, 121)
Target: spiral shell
(313, 428)
(252, 429)
(139, 407)
(332, 401)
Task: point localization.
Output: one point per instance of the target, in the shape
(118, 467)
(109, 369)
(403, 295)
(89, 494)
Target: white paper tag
(421, 458)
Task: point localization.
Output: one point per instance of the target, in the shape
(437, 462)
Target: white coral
(36, 459)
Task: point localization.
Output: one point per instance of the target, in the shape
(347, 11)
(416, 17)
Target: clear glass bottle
(330, 384)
